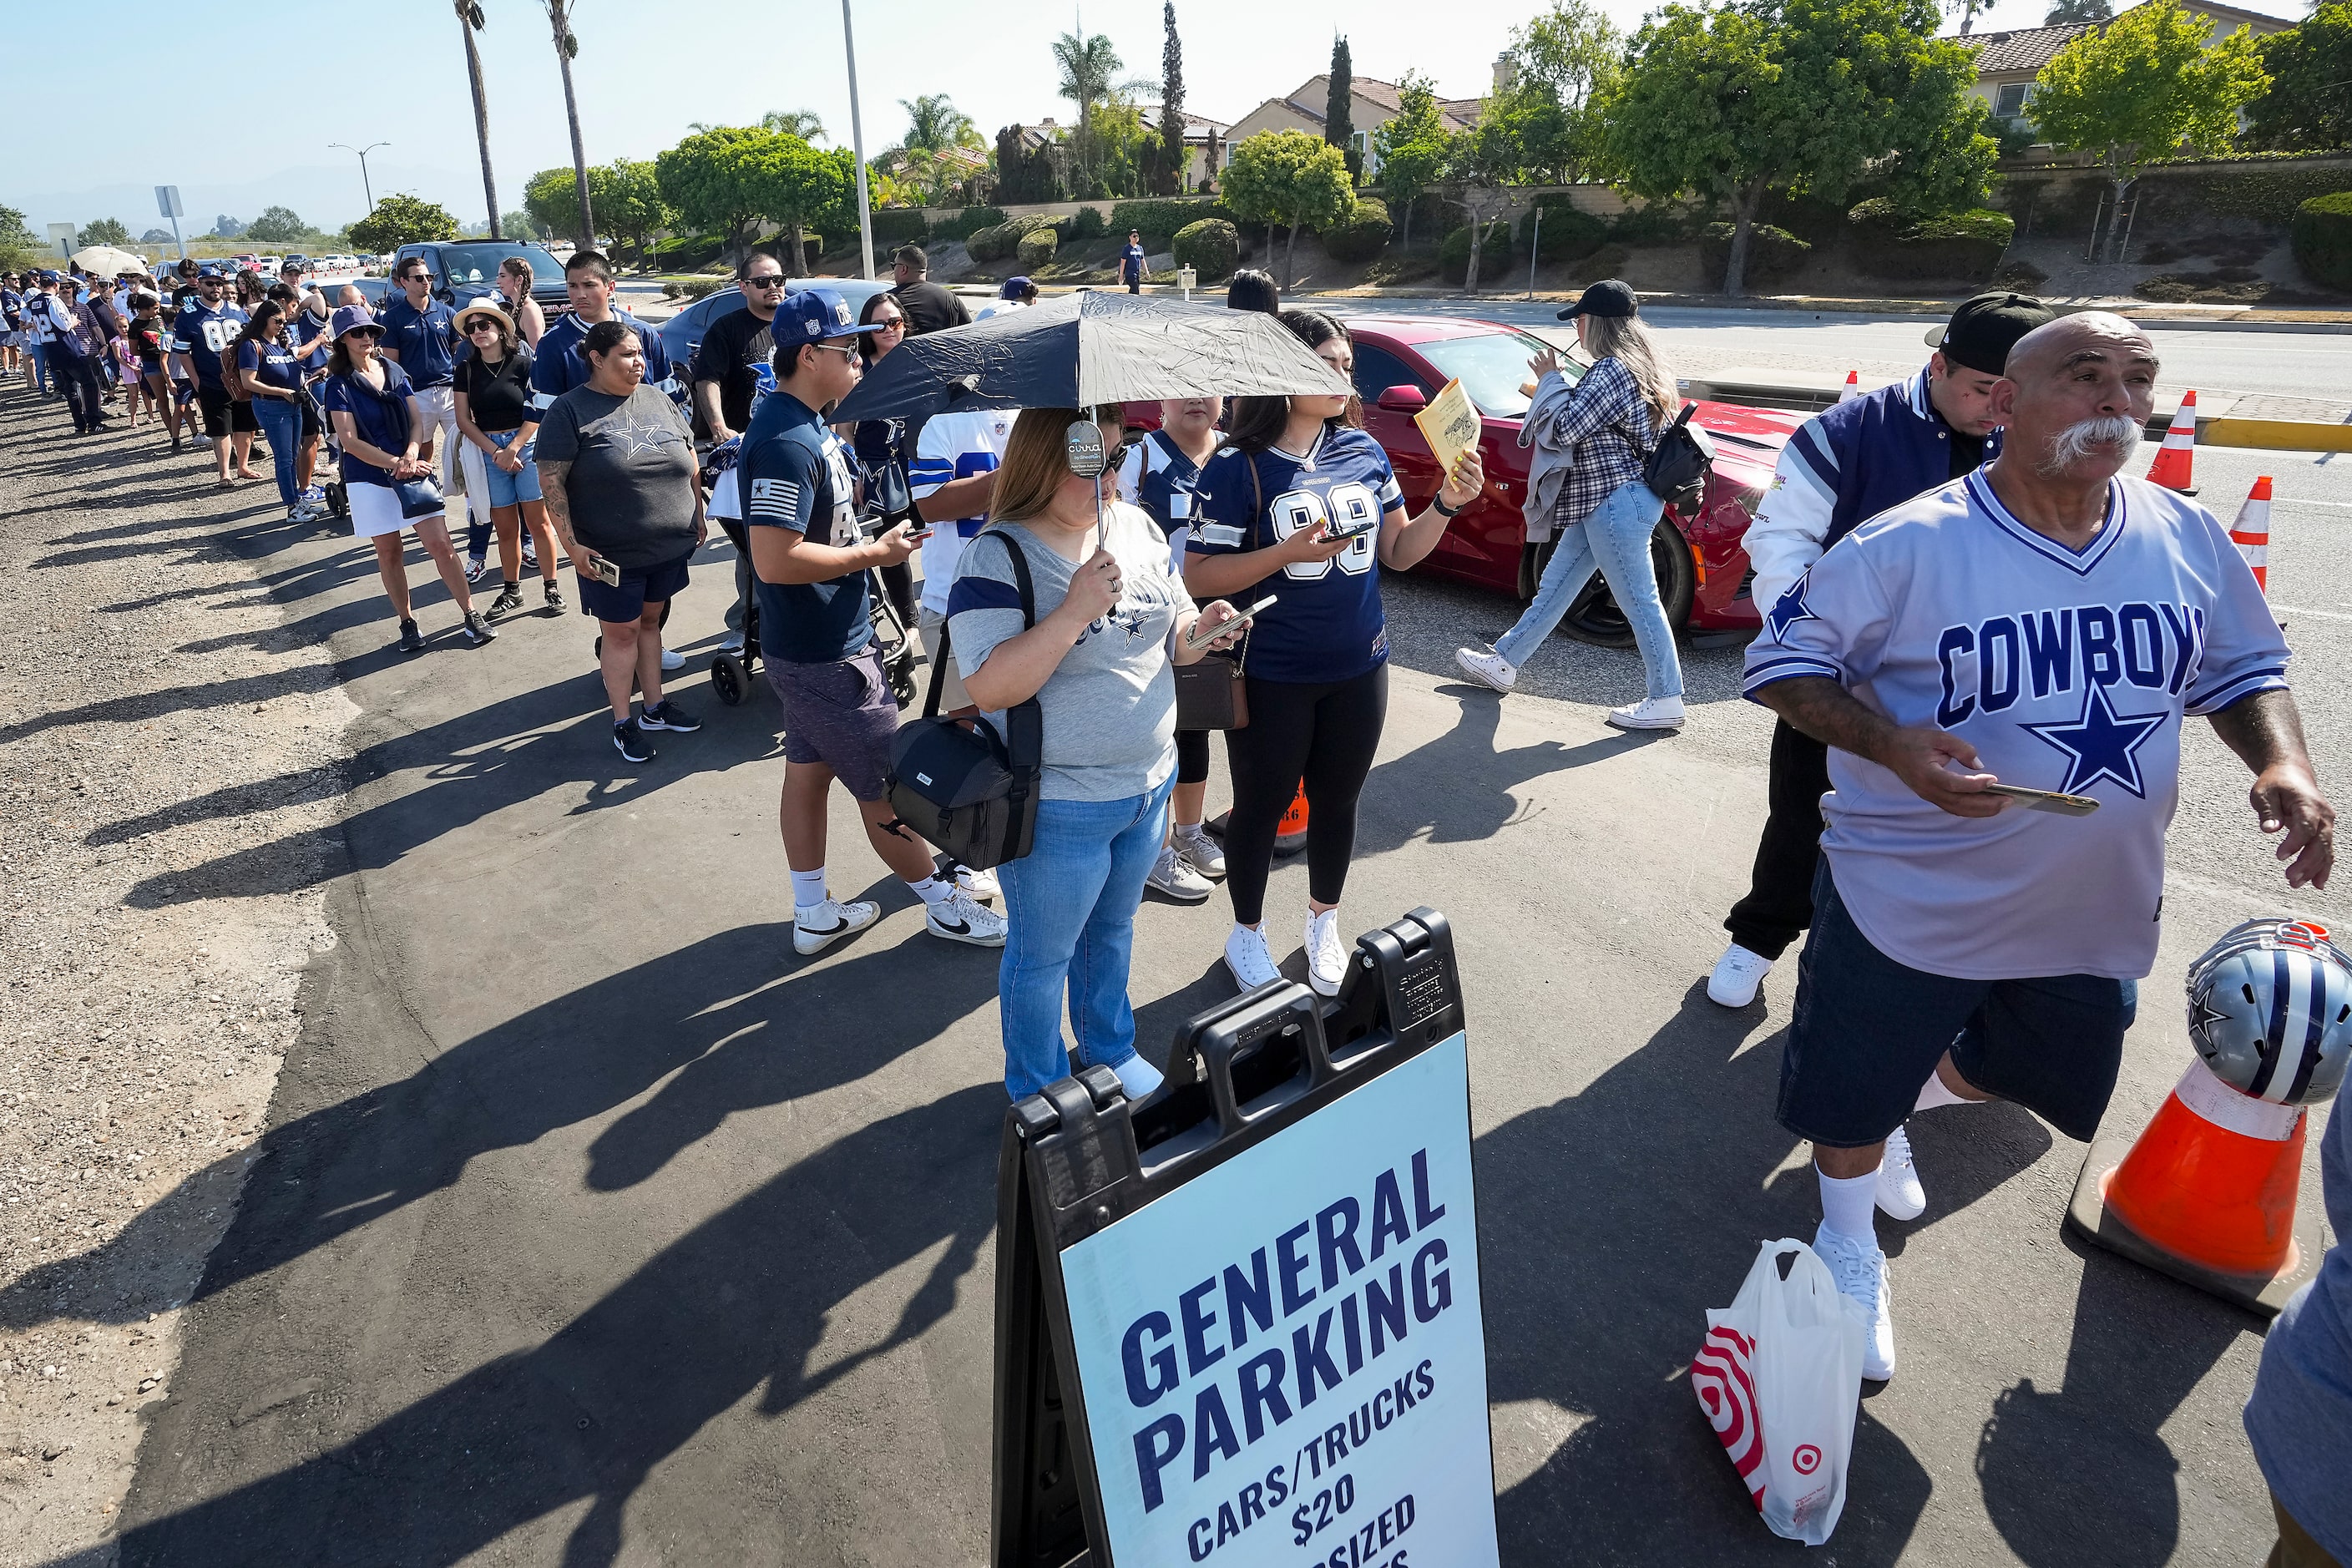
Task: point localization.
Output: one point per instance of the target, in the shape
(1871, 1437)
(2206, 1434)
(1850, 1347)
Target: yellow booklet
(1450, 424)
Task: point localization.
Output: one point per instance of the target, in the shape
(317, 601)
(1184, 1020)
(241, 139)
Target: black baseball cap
(1984, 329)
(1606, 298)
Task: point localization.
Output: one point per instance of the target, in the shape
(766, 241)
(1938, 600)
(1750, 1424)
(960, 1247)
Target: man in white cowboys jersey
(2045, 622)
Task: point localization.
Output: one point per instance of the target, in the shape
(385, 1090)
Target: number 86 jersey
(1326, 624)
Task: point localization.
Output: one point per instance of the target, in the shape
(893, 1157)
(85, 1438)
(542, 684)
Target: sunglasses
(848, 350)
(891, 324)
(776, 281)
(473, 327)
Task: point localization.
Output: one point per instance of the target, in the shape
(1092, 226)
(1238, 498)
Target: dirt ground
(150, 688)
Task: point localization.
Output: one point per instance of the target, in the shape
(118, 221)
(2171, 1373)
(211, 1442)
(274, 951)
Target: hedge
(964, 224)
(1772, 252)
(2323, 239)
(1657, 224)
(1493, 257)
(1361, 235)
(1963, 244)
(1210, 247)
(1569, 233)
(1089, 224)
(1036, 248)
(1161, 217)
(899, 226)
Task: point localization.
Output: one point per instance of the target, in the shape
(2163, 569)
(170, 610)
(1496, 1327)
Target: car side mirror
(1404, 399)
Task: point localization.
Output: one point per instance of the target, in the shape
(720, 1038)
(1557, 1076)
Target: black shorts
(311, 428)
(1867, 1031)
(639, 586)
(223, 413)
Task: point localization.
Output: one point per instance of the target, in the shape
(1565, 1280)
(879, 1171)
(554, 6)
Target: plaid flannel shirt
(1594, 434)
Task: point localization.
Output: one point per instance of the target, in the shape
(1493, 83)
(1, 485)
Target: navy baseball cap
(814, 315)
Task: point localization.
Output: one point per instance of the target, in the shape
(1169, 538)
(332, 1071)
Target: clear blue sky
(644, 71)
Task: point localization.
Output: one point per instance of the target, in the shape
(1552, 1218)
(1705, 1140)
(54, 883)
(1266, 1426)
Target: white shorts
(376, 510)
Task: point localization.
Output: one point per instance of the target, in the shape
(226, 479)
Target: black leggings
(1192, 757)
(1325, 733)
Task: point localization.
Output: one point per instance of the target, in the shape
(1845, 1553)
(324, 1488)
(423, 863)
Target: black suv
(466, 271)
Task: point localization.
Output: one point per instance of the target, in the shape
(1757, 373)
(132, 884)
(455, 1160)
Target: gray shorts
(932, 625)
(839, 713)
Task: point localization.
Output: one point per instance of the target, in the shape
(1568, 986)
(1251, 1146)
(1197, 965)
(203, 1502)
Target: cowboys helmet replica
(2270, 1010)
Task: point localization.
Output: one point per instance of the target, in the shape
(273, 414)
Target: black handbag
(420, 498)
(1677, 467)
(962, 787)
(1212, 694)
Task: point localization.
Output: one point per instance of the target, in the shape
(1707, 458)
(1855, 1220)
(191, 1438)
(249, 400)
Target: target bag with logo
(1779, 1376)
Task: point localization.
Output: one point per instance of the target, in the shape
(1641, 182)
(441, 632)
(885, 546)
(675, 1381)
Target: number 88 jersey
(1326, 624)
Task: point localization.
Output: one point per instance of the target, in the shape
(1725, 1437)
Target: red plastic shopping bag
(1779, 1377)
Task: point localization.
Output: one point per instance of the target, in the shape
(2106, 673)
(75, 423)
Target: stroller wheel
(729, 680)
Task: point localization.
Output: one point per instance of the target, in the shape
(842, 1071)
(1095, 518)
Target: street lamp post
(858, 147)
(363, 153)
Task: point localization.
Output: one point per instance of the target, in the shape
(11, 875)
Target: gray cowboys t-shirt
(1110, 706)
(631, 488)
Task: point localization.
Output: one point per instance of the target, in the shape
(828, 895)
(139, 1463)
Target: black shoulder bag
(1210, 692)
(966, 791)
(1677, 467)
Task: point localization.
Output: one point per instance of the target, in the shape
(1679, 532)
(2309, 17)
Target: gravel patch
(144, 1021)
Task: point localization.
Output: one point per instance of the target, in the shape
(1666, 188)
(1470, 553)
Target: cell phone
(1201, 639)
(2046, 799)
(604, 571)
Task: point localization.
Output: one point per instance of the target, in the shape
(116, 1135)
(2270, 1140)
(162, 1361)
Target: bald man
(2042, 622)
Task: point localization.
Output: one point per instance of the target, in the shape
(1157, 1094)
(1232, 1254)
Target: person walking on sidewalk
(1112, 614)
(1130, 262)
(1592, 438)
(382, 432)
(817, 636)
(1843, 467)
(2045, 622)
(928, 307)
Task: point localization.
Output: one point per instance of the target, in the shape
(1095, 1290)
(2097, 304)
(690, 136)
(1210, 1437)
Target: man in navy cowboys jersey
(2041, 622)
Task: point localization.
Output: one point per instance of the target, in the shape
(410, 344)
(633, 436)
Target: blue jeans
(1614, 537)
(1071, 903)
(40, 352)
(281, 422)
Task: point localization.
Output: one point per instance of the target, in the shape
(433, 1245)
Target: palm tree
(933, 124)
(567, 45)
(469, 22)
(1088, 67)
(801, 122)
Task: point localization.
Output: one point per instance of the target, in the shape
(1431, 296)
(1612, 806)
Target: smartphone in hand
(605, 571)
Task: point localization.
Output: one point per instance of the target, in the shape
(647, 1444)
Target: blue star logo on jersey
(2102, 743)
(1791, 608)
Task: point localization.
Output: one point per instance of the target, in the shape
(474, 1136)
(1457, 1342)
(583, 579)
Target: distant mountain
(327, 196)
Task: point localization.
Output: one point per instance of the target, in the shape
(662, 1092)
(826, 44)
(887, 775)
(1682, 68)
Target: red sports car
(1401, 362)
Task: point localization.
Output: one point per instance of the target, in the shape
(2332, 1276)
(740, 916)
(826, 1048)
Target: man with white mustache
(2042, 622)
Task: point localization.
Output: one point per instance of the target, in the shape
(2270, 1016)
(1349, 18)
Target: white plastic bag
(1779, 1376)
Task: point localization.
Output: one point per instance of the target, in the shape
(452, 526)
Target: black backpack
(1677, 467)
(970, 794)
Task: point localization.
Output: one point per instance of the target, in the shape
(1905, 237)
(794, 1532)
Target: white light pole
(858, 145)
(363, 151)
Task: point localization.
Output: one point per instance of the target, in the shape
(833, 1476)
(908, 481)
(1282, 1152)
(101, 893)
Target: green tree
(2308, 105)
(520, 224)
(1413, 149)
(1564, 64)
(715, 179)
(19, 245)
(1088, 71)
(801, 122)
(278, 225)
(1339, 108)
(402, 219)
(795, 186)
(934, 124)
(2140, 88)
(628, 192)
(1291, 178)
(110, 231)
(552, 199)
(1173, 157)
(2066, 12)
(1802, 96)
(1481, 162)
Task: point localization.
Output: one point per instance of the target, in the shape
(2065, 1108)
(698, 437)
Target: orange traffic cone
(1290, 836)
(2206, 1194)
(2252, 533)
(1853, 388)
(2173, 462)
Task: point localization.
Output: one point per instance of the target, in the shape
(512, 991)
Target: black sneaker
(630, 742)
(668, 715)
(411, 639)
(477, 630)
(554, 596)
(508, 601)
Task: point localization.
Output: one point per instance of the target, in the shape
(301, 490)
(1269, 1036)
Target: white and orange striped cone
(1853, 388)
(2252, 533)
(2174, 463)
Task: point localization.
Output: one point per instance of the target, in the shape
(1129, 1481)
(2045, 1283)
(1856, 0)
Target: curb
(2275, 435)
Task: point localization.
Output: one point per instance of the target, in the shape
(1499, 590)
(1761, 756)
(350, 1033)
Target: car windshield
(479, 263)
(1493, 369)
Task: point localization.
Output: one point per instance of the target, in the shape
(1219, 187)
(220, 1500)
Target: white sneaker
(814, 929)
(1207, 856)
(959, 917)
(1327, 960)
(1899, 1192)
(981, 885)
(673, 659)
(1488, 668)
(1650, 713)
(1860, 1269)
(1736, 976)
(1247, 959)
(475, 566)
(1174, 875)
(1139, 1078)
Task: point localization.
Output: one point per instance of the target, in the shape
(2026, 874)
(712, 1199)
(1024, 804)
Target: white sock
(808, 889)
(931, 890)
(1848, 1204)
(1933, 1093)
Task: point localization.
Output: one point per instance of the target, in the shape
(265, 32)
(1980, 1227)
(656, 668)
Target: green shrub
(1363, 234)
(1493, 257)
(1657, 224)
(1161, 217)
(1569, 233)
(995, 242)
(1772, 252)
(894, 226)
(1890, 243)
(2323, 239)
(964, 224)
(1036, 248)
(689, 290)
(1089, 224)
(1210, 247)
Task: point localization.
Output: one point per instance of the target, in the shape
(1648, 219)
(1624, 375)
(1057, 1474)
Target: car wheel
(1594, 617)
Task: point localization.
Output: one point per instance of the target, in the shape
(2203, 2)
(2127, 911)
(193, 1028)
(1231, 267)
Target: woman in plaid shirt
(1592, 439)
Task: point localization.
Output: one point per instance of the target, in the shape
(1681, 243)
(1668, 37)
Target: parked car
(296, 258)
(683, 333)
(1703, 577)
(466, 270)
